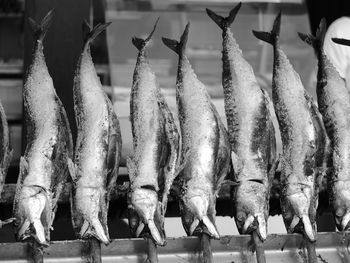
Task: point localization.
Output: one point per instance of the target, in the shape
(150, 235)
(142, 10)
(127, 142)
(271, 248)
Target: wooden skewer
(37, 252)
(311, 251)
(207, 255)
(95, 250)
(259, 248)
(152, 255)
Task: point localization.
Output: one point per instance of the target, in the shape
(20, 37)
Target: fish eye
(241, 216)
(340, 212)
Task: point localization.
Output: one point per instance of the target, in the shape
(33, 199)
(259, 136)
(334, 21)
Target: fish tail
(39, 30)
(140, 43)
(341, 41)
(315, 41)
(224, 22)
(270, 37)
(178, 47)
(90, 34)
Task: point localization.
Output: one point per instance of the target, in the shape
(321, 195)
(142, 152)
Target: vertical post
(207, 255)
(311, 250)
(62, 45)
(259, 248)
(152, 255)
(95, 250)
(37, 253)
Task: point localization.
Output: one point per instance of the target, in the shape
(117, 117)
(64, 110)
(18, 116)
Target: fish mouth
(343, 222)
(33, 229)
(151, 230)
(256, 223)
(95, 229)
(204, 225)
(303, 224)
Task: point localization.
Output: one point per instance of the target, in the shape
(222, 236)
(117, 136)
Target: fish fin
(178, 47)
(236, 162)
(140, 43)
(315, 41)
(72, 168)
(341, 41)
(39, 30)
(270, 37)
(224, 22)
(91, 34)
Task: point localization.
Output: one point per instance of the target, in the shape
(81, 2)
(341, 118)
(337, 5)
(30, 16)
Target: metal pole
(311, 250)
(152, 255)
(207, 255)
(259, 248)
(95, 250)
(37, 252)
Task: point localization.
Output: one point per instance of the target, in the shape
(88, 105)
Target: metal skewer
(152, 255)
(37, 252)
(311, 250)
(95, 250)
(259, 248)
(207, 255)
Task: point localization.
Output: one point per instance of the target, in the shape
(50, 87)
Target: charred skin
(5, 149)
(333, 100)
(98, 149)
(43, 168)
(301, 139)
(152, 169)
(250, 130)
(205, 137)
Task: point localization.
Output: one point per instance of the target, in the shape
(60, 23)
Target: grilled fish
(156, 159)
(205, 137)
(98, 147)
(333, 100)
(43, 168)
(251, 133)
(303, 141)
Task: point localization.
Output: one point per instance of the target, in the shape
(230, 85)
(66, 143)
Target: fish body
(250, 130)
(333, 101)
(43, 168)
(98, 148)
(5, 148)
(301, 136)
(205, 137)
(156, 158)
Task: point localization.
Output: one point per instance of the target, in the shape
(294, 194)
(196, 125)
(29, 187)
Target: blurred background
(115, 58)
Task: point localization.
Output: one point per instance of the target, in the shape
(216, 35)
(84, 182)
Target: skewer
(95, 250)
(152, 255)
(207, 255)
(37, 252)
(259, 248)
(311, 251)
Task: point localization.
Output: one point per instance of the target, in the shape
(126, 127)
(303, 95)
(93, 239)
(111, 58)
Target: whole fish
(303, 141)
(43, 168)
(334, 104)
(205, 137)
(5, 154)
(156, 159)
(250, 130)
(98, 147)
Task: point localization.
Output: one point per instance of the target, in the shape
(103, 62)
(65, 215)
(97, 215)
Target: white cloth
(339, 54)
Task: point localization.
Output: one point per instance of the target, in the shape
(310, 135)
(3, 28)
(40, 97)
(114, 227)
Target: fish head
(145, 217)
(251, 211)
(299, 213)
(198, 213)
(32, 215)
(341, 205)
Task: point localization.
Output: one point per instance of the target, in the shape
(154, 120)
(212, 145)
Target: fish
(333, 100)
(209, 151)
(303, 156)
(250, 130)
(98, 147)
(157, 157)
(44, 165)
